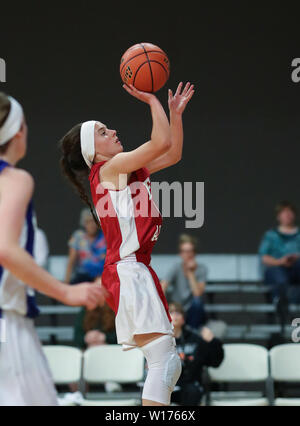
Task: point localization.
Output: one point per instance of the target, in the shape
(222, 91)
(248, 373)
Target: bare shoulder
(110, 175)
(112, 166)
(13, 179)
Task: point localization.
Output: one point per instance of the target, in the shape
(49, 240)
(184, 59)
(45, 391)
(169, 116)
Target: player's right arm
(127, 162)
(177, 105)
(16, 189)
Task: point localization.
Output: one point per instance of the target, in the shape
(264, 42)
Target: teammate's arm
(177, 105)
(16, 190)
(160, 142)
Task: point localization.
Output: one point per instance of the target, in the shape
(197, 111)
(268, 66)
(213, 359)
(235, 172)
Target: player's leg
(164, 367)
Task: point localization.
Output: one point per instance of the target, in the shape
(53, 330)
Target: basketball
(146, 67)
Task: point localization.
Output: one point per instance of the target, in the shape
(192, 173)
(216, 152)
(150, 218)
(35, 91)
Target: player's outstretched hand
(142, 96)
(179, 101)
(85, 294)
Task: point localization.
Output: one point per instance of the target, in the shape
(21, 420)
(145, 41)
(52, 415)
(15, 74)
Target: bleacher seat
(65, 364)
(243, 363)
(285, 367)
(110, 363)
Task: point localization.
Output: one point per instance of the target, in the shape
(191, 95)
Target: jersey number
(156, 233)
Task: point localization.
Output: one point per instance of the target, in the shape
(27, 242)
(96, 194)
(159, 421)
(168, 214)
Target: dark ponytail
(74, 167)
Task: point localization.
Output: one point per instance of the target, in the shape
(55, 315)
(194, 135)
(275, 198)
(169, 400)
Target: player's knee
(164, 369)
(172, 371)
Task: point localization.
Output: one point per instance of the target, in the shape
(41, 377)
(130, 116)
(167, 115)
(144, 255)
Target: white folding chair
(285, 367)
(109, 363)
(65, 363)
(243, 363)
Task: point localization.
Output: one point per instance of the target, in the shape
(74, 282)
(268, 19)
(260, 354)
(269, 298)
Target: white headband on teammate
(13, 122)
(87, 140)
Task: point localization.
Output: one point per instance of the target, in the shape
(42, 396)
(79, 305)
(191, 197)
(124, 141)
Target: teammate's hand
(142, 96)
(179, 101)
(85, 294)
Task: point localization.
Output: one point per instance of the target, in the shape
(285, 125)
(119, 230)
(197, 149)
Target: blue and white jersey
(14, 294)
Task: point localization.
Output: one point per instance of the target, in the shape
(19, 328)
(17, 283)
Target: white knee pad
(164, 369)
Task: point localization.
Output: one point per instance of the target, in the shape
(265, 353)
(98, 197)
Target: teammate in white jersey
(24, 374)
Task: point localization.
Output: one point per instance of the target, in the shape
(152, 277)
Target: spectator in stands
(94, 328)
(280, 253)
(195, 352)
(185, 283)
(41, 248)
(87, 250)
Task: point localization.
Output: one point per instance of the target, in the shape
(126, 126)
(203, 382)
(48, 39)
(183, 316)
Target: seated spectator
(94, 328)
(87, 250)
(280, 253)
(185, 283)
(195, 352)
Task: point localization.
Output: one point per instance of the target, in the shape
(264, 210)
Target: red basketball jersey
(129, 218)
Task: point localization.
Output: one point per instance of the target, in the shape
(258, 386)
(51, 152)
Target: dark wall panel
(241, 129)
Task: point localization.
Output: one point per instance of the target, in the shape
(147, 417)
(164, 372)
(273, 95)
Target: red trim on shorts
(111, 282)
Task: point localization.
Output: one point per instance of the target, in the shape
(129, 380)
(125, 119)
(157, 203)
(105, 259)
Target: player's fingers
(135, 90)
(189, 90)
(132, 88)
(97, 292)
(189, 97)
(93, 301)
(170, 94)
(89, 304)
(127, 88)
(185, 90)
(102, 302)
(178, 91)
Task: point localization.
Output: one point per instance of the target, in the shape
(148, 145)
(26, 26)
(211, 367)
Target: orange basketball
(145, 66)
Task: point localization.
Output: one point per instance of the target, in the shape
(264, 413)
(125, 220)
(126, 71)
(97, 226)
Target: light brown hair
(186, 238)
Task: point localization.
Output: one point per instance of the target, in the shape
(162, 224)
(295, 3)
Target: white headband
(13, 122)
(87, 140)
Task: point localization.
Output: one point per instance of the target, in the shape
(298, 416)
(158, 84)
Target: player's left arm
(177, 105)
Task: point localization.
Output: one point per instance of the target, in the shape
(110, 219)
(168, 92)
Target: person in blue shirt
(280, 253)
(87, 251)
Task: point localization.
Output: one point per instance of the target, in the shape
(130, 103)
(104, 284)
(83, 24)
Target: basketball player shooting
(134, 291)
